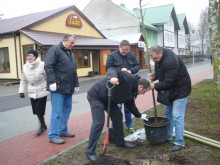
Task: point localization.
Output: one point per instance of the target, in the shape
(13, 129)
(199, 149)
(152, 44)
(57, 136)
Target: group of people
(59, 76)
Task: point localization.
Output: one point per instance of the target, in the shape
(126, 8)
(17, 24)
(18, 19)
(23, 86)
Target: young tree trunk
(148, 57)
(214, 29)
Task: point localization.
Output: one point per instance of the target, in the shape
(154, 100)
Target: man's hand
(76, 89)
(114, 81)
(151, 76)
(125, 70)
(22, 95)
(144, 117)
(53, 87)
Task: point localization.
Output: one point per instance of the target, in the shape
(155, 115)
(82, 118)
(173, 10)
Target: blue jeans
(128, 119)
(175, 113)
(61, 108)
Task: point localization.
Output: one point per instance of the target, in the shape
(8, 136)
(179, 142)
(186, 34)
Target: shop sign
(74, 20)
(141, 44)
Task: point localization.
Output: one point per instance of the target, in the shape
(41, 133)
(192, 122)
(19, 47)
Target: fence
(189, 58)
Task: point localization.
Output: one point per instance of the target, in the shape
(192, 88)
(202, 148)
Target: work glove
(144, 117)
(53, 87)
(151, 76)
(76, 89)
(126, 70)
(22, 95)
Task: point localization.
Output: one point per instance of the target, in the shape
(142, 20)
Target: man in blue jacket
(127, 87)
(62, 81)
(124, 60)
(173, 76)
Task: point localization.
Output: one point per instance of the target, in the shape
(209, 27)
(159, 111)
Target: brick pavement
(27, 149)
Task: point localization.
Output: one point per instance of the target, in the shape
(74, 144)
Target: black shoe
(91, 157)
(126, 145)
(40, 130)
(175, 148)
(43, 126)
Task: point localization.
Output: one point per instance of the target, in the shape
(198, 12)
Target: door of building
(103, 57)
(25, 50)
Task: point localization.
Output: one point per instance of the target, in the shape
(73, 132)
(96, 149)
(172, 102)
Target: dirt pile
(108, 160)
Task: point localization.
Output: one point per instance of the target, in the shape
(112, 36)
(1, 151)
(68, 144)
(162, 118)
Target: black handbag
(163, 97)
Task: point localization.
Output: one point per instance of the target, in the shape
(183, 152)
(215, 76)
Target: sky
(14, 8)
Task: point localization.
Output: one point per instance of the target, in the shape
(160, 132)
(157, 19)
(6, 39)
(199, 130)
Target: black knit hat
(32, 51)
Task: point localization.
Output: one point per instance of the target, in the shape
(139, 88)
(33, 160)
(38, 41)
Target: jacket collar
(33, 64)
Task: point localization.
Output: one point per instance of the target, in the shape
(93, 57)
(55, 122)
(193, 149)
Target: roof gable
(108, 15)
(159, 15)
(146, 23)
(15, 24)
(183, 21)
(132, 38)
(115, 8)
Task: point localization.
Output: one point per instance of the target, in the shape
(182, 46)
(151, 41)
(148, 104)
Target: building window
(4, 61)
(82, 58)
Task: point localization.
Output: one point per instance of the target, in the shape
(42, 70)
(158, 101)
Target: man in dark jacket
(173, 76)
(62, 80)
(127, 87)
(124, 60)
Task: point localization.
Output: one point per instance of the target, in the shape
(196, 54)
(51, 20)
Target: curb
(11, 83)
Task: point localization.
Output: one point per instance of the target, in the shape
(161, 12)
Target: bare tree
(214, 29)
(203, 28)
(190, 38)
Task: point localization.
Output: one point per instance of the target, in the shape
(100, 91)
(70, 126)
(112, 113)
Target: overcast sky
(13, 8)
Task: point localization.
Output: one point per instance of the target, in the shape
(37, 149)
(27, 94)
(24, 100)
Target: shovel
(105, 143)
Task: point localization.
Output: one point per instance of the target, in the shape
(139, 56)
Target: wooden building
(44, 29)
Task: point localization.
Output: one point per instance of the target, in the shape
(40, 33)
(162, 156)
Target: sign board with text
(74, 20)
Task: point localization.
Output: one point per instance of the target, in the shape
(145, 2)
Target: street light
(193, 47)
(1, 15)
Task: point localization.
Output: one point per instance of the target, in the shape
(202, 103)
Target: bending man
(127, 88)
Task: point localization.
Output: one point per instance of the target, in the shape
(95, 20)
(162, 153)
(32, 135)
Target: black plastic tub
(156, 132)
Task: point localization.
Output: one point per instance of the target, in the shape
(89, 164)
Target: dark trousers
(98, 109)
(39, 105)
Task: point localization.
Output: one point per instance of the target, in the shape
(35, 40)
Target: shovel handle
(108, 86)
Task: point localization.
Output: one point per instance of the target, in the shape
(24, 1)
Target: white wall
(169, 36)
(111, 18)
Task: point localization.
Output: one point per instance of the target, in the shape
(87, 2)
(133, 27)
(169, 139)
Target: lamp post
(193, 47)
(1, 15)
